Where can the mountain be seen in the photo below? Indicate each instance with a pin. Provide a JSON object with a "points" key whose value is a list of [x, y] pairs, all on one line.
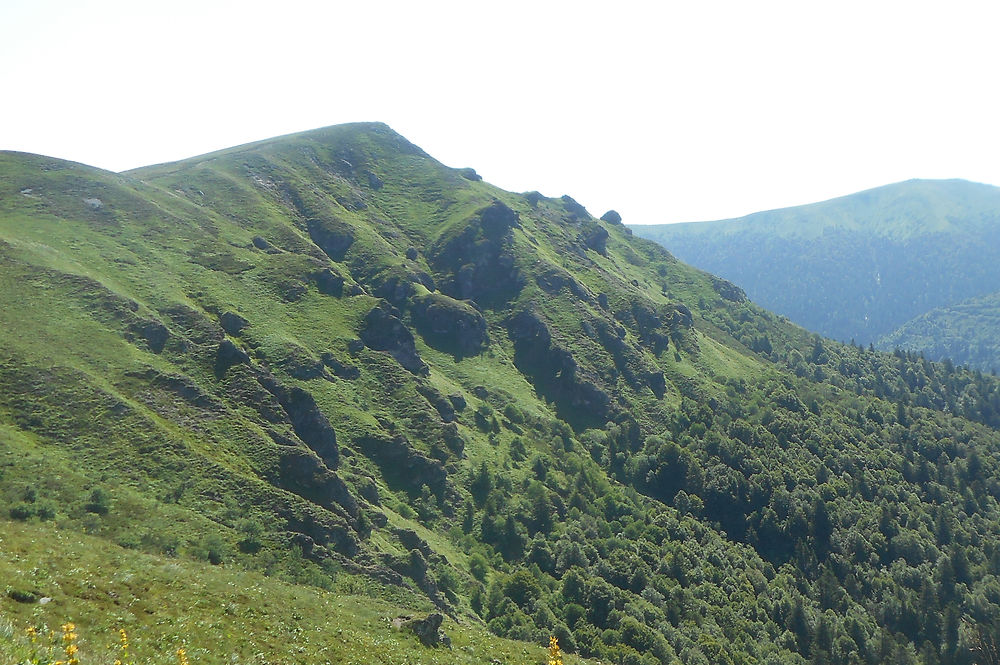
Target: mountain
{"points": [[965, 333], [859, 266], [259, 403]]}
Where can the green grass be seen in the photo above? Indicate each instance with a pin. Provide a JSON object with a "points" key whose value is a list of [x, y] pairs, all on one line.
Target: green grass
{"points": [[219, 615], [193, 463]]}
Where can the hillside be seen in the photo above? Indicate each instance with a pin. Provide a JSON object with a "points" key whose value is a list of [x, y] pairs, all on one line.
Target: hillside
{"points": [[859, 266], [965, 333], [330, 367]]}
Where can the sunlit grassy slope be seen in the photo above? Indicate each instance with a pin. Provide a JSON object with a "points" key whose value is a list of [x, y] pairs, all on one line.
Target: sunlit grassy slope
{"points": [[265, 399]]}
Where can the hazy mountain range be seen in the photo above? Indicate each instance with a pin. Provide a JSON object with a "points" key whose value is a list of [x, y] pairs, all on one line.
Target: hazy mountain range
{"points": [[894, 266]]}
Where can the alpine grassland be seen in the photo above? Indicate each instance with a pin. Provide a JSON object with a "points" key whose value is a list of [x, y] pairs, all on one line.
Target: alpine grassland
{"points": [[300, 401]]}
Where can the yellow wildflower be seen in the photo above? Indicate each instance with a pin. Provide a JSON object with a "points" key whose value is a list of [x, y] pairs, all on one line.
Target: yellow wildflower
{"points": [[555, 657], [182, 657]]}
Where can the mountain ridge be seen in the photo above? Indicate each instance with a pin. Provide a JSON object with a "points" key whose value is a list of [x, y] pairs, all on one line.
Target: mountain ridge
{"points": [[342, 364], [855, 267], [915, 195]]}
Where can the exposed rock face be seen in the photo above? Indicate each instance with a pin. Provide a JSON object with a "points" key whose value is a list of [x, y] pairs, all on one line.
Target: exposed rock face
{"points": [[442, 405], [305, 474], [469, 173], [329, 282], [193, 325], [233, 323], [383, 331], [611, 217], [728, 290], [595, 237], [398, 284], [227, 355], [402, 465], [344, 371], [685, 317], [575, 211], [428, 630], [458, 401], [412, 541], [414, 565], [450, 325], [554, 372], [332, 236], [478, 262], [553, 278], [154, 332], [307, 420], [629, 361]]}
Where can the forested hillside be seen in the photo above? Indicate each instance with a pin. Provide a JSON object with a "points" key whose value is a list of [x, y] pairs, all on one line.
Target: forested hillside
{"points": [[347, 374], [967, 333], [861, 266]]}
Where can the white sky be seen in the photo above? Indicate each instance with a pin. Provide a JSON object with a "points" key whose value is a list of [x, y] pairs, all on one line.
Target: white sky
{"points": [[665, 111]]}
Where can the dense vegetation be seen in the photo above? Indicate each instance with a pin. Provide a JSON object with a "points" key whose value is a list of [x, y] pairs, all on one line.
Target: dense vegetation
{"points": [[966, 333], [338, 369], [861, 266]]}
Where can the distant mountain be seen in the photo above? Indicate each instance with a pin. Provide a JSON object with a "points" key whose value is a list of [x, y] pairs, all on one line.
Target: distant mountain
{"points": [[967, 333], [263, 404], [859, 266]]}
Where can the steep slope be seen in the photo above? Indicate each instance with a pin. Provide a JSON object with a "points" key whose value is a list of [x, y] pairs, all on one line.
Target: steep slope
{"points": [[965, 333], [330, 359], [859, 266]]}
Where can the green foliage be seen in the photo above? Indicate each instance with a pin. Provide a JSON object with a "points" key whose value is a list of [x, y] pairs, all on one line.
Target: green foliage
{"points": [[630, 456], [893, 265]]}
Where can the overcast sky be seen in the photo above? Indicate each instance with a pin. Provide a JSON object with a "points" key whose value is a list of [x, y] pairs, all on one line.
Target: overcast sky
{"points": [[687, 111]]}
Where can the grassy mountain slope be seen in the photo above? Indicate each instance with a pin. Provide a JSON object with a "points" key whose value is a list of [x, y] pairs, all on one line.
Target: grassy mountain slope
{"points": [[859, 266], [965, 333], [332, 361]]}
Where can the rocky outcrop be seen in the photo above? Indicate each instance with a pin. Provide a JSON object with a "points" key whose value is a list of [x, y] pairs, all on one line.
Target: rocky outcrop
{"points": [[153, 332], [383, 331], [441, 404], [554, 372], [306, 419], [428, 630], [727, 290], [575, 212], [227, 355], [450, 325], [398, 283], [628, 360], [329, 282], [302, 472], [332, 236], [342, 370], [233, 323], [595, 237], [403, 466], [611, 217], [477, 261], [193, 325]]}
